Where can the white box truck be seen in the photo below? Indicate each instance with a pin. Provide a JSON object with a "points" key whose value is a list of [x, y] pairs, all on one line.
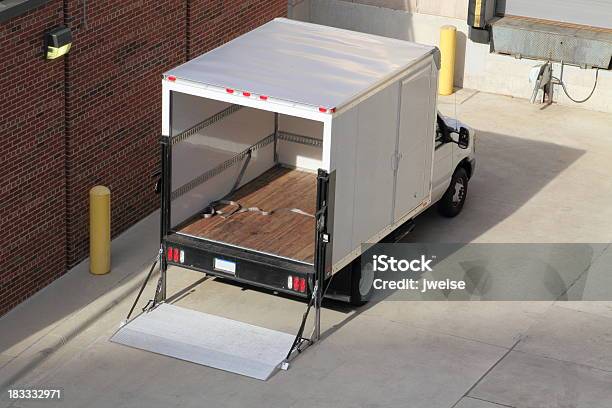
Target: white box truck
{"points": [[287, 148]]}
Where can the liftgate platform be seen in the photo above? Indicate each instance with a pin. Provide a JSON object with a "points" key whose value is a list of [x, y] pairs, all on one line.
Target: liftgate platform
{"points": [[207, 339]]}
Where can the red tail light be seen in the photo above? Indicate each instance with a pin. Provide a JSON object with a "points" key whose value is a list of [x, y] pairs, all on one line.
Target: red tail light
{"points": [[169, 256], [175, 255], [246, 94], [296, 283], [230, 91]]}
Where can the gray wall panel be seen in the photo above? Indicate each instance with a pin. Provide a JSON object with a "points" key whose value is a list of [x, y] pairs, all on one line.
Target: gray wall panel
{"points": [[596, 13], [212, 146]]}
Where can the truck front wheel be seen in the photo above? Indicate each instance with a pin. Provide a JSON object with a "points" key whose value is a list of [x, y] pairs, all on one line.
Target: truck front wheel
{"points": [[451, 203]]}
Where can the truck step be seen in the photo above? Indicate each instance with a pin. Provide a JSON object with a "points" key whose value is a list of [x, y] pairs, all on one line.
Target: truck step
{"points": [[207, 339]]}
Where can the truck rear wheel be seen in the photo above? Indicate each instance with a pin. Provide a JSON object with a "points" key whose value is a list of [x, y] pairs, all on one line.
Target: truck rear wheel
{"points": [[361, 283], [451, 203]]}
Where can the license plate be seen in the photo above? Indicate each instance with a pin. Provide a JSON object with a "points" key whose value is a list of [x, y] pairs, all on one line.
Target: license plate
{"points": [[225, 266]]}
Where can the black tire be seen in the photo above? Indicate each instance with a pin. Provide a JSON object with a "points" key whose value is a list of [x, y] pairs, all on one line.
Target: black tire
{"points": [[451, 203], [361, 283]]}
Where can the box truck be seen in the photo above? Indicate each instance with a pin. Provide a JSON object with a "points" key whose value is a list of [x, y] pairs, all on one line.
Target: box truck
{"points": [[282, 152]]}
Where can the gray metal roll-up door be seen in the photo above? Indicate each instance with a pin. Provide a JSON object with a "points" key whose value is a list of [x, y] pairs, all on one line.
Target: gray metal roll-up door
{"points": [[595, 13]]}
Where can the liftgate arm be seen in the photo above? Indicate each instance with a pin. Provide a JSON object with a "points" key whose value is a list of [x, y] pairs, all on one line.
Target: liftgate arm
{"points": [[144, 283], [321, 241], [164, 227], [163, 184]]}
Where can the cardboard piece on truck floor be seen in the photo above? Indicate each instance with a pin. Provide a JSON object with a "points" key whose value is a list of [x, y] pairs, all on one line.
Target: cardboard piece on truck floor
{"points": [[208, 340]]}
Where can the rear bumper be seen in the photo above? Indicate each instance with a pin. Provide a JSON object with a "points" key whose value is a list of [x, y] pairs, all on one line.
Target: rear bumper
{"points": [[250, 267]]}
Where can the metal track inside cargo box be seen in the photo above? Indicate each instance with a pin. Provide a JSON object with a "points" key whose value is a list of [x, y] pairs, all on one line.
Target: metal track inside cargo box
{"points": [[207, 175]]}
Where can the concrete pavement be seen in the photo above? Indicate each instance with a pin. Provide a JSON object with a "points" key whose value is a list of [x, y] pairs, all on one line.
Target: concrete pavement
{"points": [[542, 176]]}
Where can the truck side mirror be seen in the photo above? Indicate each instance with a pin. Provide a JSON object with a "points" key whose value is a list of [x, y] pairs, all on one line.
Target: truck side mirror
{"points": [[464, 138]]}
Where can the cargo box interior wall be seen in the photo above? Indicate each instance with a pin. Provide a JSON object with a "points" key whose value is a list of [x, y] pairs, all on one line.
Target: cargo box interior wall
{"points": [[224, 154]]}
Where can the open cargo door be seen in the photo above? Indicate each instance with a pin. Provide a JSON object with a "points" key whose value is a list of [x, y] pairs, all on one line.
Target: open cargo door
{"points": [[206, 339]]}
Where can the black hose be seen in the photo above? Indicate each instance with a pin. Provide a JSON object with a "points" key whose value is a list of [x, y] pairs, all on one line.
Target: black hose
{"points": [[585, 99], [300, 332]]}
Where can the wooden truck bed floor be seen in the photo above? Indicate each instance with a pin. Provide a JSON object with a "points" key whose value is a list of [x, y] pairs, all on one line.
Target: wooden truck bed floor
{"points": [[282, 233]]}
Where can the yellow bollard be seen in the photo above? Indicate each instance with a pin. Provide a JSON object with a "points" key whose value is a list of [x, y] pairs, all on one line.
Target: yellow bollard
{"points": [[448, 44], [99, 230]]}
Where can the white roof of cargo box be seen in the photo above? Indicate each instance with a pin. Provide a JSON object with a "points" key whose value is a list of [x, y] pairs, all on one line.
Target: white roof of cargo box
{"points": [[303, 63]]}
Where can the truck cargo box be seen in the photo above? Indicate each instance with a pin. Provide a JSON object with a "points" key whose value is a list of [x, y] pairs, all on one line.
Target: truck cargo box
{"points": [[255, 119]]}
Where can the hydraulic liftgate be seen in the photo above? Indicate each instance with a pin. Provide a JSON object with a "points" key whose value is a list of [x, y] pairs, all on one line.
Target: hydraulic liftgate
{"points": [[306, 71], [211, 340]]}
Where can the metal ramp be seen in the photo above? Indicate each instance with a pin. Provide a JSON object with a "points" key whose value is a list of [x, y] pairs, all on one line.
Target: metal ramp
{"points": [[206, 339]]}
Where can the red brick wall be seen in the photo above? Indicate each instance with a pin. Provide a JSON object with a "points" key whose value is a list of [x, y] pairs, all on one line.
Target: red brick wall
{"points": [[32, 158], [90, 118], [113, 107]]}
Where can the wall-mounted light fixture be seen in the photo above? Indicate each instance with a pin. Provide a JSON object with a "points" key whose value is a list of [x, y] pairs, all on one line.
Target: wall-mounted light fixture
{"points": [[57, 42]]}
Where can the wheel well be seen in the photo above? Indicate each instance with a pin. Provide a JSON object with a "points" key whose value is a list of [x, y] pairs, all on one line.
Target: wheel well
{"points": [[465, 164]]}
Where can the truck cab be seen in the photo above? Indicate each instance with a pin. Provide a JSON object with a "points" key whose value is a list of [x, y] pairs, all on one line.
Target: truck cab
{"points": [[454, 165]]}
